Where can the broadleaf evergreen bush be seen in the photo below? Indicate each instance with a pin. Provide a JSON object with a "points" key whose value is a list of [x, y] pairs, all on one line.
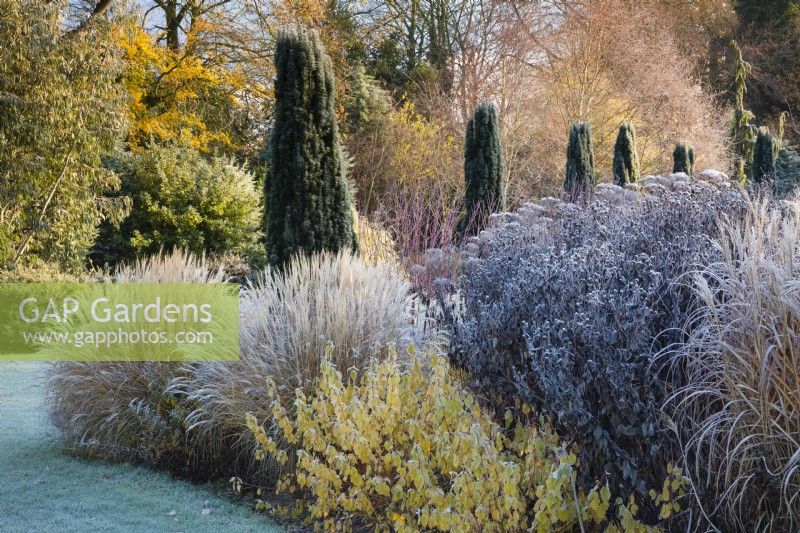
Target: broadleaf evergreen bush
{"points": [[179, 199]]}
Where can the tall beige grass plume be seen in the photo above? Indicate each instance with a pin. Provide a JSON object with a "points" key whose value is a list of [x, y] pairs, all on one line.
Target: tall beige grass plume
{"points": [[739, 405], [325, 305]]}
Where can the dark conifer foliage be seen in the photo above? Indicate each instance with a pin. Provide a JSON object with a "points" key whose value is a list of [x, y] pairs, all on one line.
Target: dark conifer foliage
{"points": [[580, 176], [743, 132], [626, 161], [765, 156], [683, 158], [308, 200], [483, 167]]}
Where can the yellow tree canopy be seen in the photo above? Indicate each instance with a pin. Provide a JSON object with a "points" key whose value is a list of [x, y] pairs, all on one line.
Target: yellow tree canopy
{"points": [[179, 95]]}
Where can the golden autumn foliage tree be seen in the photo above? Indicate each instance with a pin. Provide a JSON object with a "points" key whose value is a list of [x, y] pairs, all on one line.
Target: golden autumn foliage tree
{"points": [[334, 23], [186, 95], [250, 37]]}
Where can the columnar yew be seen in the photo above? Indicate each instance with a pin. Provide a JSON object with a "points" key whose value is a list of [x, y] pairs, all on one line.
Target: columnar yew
{"points": [[626, 161], [483, 167], [683, 158], [307, 196], [580, 176]]}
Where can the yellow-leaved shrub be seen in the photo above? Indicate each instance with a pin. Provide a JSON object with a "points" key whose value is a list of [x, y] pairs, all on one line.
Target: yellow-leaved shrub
{"points": [[408, 448]]}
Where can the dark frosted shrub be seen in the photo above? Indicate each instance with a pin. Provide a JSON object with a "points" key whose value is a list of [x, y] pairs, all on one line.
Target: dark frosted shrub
{"points": [[626, 160], [683, 158], [580, 177], [765, 156], [787, 171], [568, 314]]}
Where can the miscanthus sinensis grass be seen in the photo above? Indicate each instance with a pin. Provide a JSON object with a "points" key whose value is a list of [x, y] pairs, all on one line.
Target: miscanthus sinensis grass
{"points": [[739, 407]]}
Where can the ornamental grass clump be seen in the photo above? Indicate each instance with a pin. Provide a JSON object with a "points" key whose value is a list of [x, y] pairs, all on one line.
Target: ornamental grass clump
{"points": [[288, 319], [405, 447], [189, 418], [568, 314], [123, 410], [375, 244], [739, 406]]}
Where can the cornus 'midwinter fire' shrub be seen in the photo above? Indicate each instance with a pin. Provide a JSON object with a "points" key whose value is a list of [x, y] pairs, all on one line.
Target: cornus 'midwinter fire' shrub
{"points": [[408, 448]]}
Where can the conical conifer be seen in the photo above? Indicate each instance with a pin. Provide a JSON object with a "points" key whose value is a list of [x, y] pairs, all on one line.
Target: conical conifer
{"points": [[743, 132], [483, 167], [307, 197], [580, 176], [626, 161], [683, 158]]}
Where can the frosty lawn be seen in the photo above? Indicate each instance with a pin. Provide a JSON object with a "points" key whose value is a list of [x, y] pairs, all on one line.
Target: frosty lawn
{"points": [[46, 489]]}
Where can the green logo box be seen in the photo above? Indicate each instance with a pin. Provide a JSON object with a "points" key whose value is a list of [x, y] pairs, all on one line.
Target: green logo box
{"points": [[185, 322]]}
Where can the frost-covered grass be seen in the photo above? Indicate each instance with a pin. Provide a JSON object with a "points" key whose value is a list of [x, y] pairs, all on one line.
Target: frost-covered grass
{"points": [[44, 488], [190, 419]]}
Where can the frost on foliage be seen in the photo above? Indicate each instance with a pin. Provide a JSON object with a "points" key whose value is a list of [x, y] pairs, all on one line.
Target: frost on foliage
{"points": [[567, 315], [548, 209]]}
